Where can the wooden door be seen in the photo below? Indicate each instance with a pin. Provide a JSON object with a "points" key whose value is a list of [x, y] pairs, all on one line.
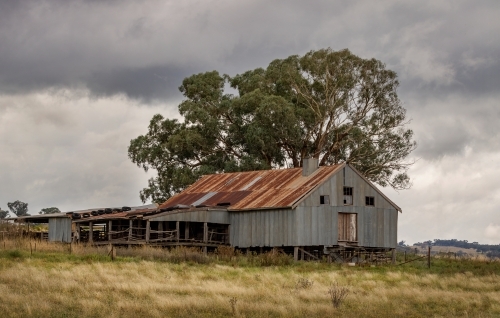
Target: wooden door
{"points": [[348, 227]]}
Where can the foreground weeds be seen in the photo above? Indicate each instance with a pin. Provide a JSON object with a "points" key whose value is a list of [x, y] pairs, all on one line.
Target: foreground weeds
{"points": [[148, 282]]}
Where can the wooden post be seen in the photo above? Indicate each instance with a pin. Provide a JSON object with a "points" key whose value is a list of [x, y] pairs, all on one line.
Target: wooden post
{"points": [[186, 231], [429, 257], [112, 251], [405, 256], [78, 232], [394, 256], [148, 230], [228, 238], [177, 231], [301, 254], [91, 232], [205, 237], [160, 229], [110, 226], [295, 253], [130, 223]]}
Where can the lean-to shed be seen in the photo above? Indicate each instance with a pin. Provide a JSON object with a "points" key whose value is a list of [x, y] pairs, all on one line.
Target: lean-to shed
{"points": [[59, 225]]}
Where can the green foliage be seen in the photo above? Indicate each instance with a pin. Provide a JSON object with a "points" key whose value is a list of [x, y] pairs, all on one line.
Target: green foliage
{"points": [[3, 214], [330, 105], [18, 208], [49, 210]]}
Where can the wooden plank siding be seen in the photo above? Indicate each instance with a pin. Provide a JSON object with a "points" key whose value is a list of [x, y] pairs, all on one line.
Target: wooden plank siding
{"points": [[347, 227]]}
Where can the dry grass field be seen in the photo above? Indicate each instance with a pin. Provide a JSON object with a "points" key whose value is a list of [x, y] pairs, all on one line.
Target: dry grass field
{"points": [[146, 282]]}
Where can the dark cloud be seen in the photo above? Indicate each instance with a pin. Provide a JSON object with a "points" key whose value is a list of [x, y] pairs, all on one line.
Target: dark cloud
{"points": [[155, 82], [145, 49]]}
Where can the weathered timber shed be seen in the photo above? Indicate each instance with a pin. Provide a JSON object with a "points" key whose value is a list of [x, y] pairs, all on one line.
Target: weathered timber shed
{"points": [[64, 227], [329, 208], [59, 225]]}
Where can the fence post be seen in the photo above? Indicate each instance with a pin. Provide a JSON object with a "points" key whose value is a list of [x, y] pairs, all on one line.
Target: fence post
{"points": [[112, 251], [429, 256]]}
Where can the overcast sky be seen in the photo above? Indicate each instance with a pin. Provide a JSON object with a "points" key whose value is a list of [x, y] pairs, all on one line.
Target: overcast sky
{"points": [[80, 79]]}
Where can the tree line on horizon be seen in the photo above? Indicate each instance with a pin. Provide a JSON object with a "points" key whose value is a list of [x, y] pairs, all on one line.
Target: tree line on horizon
{"points": [[490, 250], [19, 208]]}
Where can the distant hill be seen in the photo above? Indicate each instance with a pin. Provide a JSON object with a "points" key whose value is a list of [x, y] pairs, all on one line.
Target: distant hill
{"points": [[492, 251]]}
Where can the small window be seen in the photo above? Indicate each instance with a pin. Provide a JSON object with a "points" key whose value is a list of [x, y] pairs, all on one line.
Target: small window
{"points": [[347, 195], [324, 199], [370, 201]]}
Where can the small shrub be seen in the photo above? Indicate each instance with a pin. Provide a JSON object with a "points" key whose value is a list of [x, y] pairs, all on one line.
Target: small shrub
{"points": [[337, 294], [274, 258], [15, 254], [303, 283], [225, 253], [232, 302]]}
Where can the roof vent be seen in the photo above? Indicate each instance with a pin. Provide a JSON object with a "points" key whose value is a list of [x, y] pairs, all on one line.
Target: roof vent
{"points": [[309, 165]]}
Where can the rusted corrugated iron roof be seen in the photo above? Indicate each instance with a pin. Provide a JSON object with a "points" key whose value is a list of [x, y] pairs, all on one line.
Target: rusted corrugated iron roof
{"points": [[118, 215], [252, 190]]}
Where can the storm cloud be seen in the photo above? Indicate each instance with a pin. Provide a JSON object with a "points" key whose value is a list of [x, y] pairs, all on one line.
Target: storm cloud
{"points": [[79, 79]]}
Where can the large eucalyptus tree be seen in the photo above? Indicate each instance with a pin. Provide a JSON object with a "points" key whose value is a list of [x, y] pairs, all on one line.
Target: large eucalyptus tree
{"points": [[331, 105]]}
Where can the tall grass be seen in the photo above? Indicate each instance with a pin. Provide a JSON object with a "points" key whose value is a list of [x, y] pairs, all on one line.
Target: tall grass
{"points": [[151, 282]]}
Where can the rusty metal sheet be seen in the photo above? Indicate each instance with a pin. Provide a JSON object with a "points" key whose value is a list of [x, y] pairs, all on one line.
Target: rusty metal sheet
{"points": [[183, 198], [227, 197], [118, 215], [254, 189]]}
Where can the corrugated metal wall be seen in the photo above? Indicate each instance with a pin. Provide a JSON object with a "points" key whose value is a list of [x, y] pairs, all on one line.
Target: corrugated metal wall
{"points": [[60, 230], [220, 217], [312, 224], [262, 228], [285, 227]]}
